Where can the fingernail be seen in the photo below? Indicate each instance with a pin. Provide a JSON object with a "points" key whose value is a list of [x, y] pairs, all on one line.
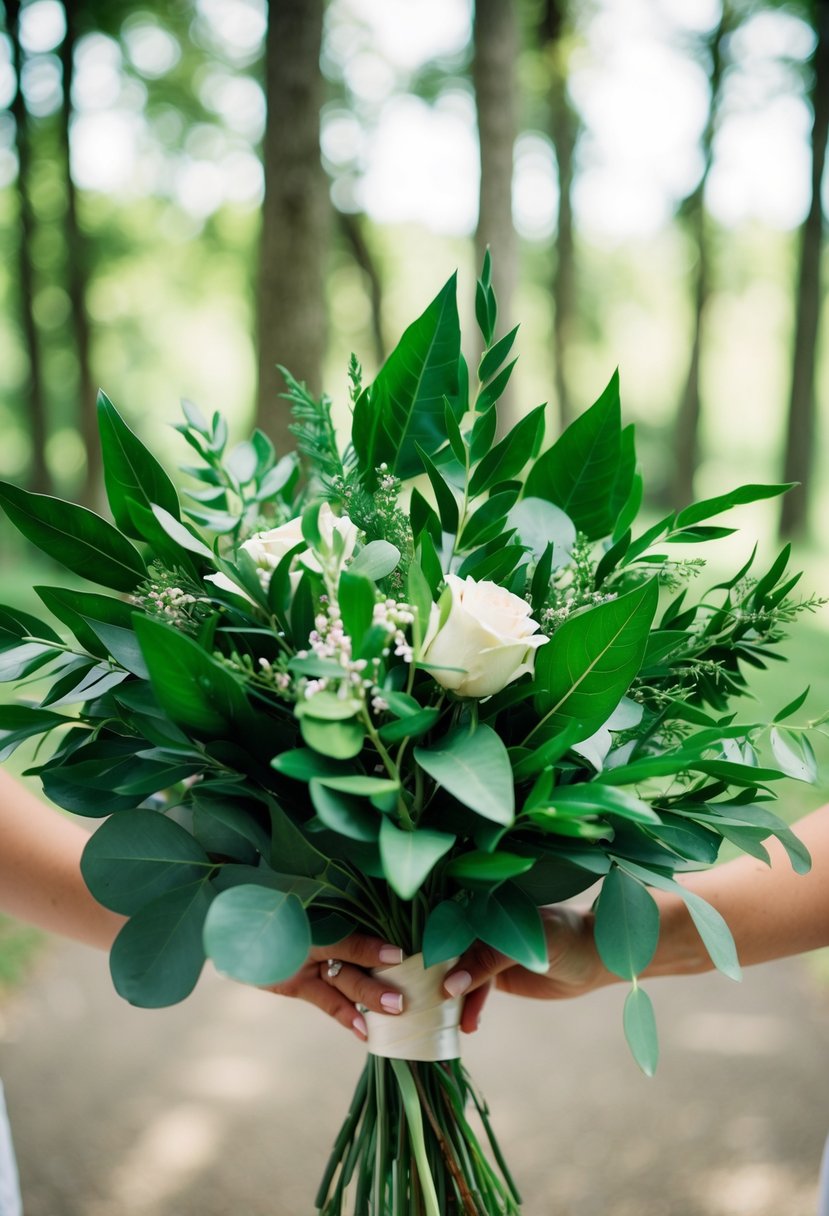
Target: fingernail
{"points": [[391, 954], [392, 1002], [359, 1025], [457, 983]]}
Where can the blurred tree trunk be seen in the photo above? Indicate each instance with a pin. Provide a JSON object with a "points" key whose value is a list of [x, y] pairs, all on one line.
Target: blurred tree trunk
{"points": [[801, 421], [77, 275], [493, 75], [686, 432], [295, 213], [36, 406], [563, 131], [352, 231]]}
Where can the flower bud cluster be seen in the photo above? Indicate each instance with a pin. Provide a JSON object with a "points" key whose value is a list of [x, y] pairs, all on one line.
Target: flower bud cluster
{"points": [[553, 617], [395, 618]]}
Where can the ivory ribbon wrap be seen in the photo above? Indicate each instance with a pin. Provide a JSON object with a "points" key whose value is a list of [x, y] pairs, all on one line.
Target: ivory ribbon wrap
{"points": [[427, 1029]]}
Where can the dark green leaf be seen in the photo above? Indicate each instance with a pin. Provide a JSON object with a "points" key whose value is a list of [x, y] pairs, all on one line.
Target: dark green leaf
{"points": [[158, 956], [444, 496], [487, 870], [197, 692], [447, 933], [586, 669], [579, 472], [509, 921], [507, 458], [77, 538], [492, 359], [405, 404], [130, 470], [132, 859], [344, 813], [723, 502]]}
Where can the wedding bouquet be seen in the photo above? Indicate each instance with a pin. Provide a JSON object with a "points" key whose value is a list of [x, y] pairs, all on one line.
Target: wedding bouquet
{"points": [[418, 685]]}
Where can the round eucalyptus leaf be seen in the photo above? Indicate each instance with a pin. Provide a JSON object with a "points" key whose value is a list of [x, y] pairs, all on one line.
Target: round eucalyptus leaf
{"points": [[257, 935], [157, 957]]}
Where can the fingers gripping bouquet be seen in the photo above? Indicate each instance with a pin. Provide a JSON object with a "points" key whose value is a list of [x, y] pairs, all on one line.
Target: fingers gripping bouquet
{"points": [[438, 682]]}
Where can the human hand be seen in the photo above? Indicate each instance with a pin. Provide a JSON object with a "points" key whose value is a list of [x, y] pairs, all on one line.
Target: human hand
{"points": [[575, 967], [340, 993]]}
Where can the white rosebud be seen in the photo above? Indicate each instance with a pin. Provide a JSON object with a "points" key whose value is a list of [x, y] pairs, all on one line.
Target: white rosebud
{"points": [[488, 635], [328, 524]]}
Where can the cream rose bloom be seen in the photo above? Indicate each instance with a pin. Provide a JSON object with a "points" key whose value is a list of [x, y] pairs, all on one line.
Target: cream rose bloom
{"points": [[267, 549], [489, 634]]}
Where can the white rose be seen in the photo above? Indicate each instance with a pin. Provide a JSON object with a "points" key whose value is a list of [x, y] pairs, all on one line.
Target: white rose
{"points": [[267, 549], [489, 634]]}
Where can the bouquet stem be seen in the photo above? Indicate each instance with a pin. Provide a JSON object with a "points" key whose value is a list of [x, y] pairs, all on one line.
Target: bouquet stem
{"points": [[406, 1147]]}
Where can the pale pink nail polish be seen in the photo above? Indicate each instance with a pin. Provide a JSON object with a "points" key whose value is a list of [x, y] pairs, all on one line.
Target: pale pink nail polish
{"points": [[457, 983], [359, 1025], [392, 1002], [391, 954]]}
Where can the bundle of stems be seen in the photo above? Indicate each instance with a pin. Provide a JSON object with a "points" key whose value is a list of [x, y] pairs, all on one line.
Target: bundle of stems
{"points": [[407, 1148]]}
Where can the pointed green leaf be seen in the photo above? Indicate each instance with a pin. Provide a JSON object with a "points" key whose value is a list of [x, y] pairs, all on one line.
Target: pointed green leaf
{"points": [[508, 920], [579, 472], [640, 1030], [405, 404], [627, 925], [77, 538], [409, 857], [475, 769], [130, 470], [447, 933], [589, 664]]}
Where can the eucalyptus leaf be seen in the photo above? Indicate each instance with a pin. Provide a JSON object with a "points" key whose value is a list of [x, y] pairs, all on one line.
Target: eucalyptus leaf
{"points": [[157, 958], [640, 1030], [132, 859], [257, 935]]}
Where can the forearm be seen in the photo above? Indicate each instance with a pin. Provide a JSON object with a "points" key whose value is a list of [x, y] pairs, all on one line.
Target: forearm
{"points": [[40, 878], [771, 912]]}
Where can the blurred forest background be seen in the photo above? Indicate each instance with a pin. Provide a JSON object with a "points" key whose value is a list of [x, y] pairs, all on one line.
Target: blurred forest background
{"points": [[192, 192]]}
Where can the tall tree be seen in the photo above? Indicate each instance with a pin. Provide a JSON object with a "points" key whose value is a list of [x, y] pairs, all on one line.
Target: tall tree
{"points": [[295, 213], [494, 76], [686, 432], [801, 420], [77, 270], [36, 404], [563, 128]]}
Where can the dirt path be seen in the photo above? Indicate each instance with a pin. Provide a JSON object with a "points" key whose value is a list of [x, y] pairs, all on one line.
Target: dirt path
{"points": [[225, 1106]]}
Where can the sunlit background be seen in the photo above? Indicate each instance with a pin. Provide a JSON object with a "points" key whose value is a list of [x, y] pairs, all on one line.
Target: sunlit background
{"points": [[166, 113]]}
